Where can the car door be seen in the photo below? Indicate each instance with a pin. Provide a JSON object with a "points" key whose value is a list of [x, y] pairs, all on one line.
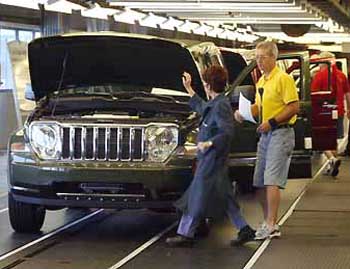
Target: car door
{"points": [[245, 135], [324, 107], [296, 65], [314, 125]]}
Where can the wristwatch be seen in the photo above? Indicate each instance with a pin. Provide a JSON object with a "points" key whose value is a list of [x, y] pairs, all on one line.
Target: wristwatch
{"points": [[273, 123]]}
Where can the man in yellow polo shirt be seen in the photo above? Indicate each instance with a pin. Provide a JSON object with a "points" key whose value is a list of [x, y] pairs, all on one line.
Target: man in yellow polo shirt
{"points": [[277, 104]]}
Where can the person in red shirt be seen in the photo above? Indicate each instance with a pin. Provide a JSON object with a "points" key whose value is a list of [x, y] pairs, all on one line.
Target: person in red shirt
{"points": [[346, 152], [340, 88]]}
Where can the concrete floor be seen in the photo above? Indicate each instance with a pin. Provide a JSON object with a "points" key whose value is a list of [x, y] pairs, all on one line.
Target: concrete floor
{"points": [[115, 234]]}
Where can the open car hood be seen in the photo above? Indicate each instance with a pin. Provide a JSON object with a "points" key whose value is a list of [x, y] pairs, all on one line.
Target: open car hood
{"points": [[62, 62]]}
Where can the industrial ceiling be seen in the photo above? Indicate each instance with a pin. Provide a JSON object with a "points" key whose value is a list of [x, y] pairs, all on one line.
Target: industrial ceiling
{"points": [[303, 21], [315, 16]]}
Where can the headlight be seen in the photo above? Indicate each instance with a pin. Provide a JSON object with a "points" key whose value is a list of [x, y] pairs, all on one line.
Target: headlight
{"points": [[160, 142], [45, 140]]}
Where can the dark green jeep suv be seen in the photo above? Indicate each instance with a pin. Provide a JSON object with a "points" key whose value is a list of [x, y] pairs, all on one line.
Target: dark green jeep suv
{"points": [[110, 127]]}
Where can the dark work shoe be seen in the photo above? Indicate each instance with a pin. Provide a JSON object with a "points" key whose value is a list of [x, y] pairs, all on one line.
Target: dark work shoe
{"points": [[335, 168], [245, 235], [202, 230], [179, 241], [345, 153]]}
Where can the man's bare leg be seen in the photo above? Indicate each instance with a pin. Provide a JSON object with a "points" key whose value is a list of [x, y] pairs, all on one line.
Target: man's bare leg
{"points": [[273, 198], [261, 195], [329, 154]]}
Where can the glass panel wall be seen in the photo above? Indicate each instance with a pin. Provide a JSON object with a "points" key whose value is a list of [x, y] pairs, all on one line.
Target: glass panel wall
{"points": [[14, 69], [8, 34], [25, 36]]}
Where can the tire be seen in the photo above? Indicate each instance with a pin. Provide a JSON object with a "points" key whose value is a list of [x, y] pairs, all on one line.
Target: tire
{"points": [[24, 217]]}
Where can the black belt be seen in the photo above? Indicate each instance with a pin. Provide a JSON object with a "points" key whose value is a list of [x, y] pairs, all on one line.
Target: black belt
{"points": [[282, 126]]}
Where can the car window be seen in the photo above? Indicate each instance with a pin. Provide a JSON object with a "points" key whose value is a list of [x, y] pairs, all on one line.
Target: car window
{"points": [[234, 64], [292, 66], [320, 76], [247, 86]]}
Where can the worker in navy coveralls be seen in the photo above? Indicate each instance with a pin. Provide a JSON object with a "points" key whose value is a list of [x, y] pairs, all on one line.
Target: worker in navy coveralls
{"points": [[210, 192]]}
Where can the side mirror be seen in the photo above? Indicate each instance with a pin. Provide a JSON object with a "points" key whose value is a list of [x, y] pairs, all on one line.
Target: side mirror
{"points": [[28, 93]]}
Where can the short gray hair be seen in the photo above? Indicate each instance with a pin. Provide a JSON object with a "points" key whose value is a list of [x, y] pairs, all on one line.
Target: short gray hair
{"points": [[270, 46], [326, 54]]}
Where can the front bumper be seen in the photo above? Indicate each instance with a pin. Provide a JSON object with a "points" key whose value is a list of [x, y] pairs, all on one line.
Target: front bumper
{"points": [[134, 185], [96, 202]]}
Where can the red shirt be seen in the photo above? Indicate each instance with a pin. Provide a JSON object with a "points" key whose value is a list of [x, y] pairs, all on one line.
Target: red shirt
{"points": [[339, 85]]}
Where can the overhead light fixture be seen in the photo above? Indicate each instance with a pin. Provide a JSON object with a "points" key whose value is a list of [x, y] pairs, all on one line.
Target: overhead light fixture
{"points": [[235, 35], [152, 20], [215, 32], [232, 35], [62, 6], [170, 24], [221, 8], [197, 4], [254, 18], [202, 29], [309, 38], [187, 26], [98, 12], [34, 4], [218, 8], [128, 16], [255, 21], [224, 34], [241, 36], [330, 26]]}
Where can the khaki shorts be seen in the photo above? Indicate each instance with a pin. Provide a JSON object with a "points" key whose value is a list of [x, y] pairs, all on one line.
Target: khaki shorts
{"points": [[273, 158]]}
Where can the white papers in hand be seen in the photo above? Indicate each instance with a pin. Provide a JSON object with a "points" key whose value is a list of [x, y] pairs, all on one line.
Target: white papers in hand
{"points": [[244, 108]]}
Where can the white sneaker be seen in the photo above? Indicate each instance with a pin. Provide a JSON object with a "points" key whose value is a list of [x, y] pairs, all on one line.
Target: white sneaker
{"points": [[328, 169], [261, 227], [266, 231]]}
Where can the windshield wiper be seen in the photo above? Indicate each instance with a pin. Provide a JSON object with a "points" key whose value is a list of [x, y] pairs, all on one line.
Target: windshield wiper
{"points": [[98, 90], [142, 94]]}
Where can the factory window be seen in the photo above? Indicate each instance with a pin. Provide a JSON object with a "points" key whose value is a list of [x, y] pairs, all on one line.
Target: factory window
{"points": [[8, 35]]}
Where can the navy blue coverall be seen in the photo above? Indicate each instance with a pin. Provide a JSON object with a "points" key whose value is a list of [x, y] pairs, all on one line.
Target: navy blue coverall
{"points": [[210, 193]]}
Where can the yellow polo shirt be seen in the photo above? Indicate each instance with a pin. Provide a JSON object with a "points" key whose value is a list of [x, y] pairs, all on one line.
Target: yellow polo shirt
{"points": [[279, 90]]}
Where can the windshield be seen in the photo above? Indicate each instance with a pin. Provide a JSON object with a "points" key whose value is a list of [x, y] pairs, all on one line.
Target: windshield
{"points": [[118, 99], [125, 91]]}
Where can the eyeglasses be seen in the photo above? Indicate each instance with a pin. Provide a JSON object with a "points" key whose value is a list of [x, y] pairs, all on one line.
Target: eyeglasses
{"points": [[262, 57]]}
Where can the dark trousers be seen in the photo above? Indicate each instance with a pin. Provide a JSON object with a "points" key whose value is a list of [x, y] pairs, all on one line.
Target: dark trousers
{"points": [[188, 224], [347, 147]]}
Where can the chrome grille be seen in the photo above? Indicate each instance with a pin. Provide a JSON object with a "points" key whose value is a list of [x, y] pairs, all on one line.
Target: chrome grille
{"points": [[107, 143]]}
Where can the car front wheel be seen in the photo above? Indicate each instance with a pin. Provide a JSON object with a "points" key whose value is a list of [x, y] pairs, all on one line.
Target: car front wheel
{"points": [[24, 217]]}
